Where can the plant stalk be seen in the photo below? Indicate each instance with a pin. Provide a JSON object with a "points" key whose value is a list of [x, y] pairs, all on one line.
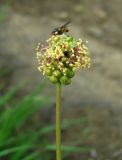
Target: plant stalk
{"points": [[58, 122]]}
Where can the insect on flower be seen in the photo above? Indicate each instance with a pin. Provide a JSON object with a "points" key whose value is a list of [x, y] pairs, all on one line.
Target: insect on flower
{"points": [[61, 30], [62, 55]]}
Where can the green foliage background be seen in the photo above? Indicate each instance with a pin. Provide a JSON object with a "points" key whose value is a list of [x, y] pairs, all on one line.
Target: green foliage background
{"points": [[20, 141]]}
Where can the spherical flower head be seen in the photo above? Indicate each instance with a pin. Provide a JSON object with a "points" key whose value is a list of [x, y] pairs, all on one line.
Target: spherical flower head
{"points": [[62, 55]]}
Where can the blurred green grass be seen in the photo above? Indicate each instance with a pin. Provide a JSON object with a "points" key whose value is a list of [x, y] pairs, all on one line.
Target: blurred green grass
{"points": [[19, 138], [4, 10]]}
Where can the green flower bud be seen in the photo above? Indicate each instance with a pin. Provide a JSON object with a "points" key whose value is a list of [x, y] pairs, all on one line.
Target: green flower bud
{"points": [[57, 73], [70, 39], [70, 73], [65, 80], [63, 59], [48, 72], [68, 81], [53, 79], [54, 64]]}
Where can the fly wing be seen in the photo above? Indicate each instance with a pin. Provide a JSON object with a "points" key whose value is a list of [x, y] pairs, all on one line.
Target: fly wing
{"points": [[64, 25]]}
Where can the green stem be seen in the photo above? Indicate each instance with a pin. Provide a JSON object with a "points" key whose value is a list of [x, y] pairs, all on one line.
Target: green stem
{"points": [[58, 122]]}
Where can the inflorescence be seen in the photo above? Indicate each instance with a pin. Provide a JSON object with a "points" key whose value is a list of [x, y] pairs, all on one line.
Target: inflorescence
{"points": [[62, 55]]}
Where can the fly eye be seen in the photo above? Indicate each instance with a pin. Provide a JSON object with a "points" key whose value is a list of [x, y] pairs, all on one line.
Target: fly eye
{"points": [[56, 32]]}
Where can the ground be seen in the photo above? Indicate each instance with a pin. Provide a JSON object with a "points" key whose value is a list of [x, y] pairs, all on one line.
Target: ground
{"points": [[96, 93]]}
